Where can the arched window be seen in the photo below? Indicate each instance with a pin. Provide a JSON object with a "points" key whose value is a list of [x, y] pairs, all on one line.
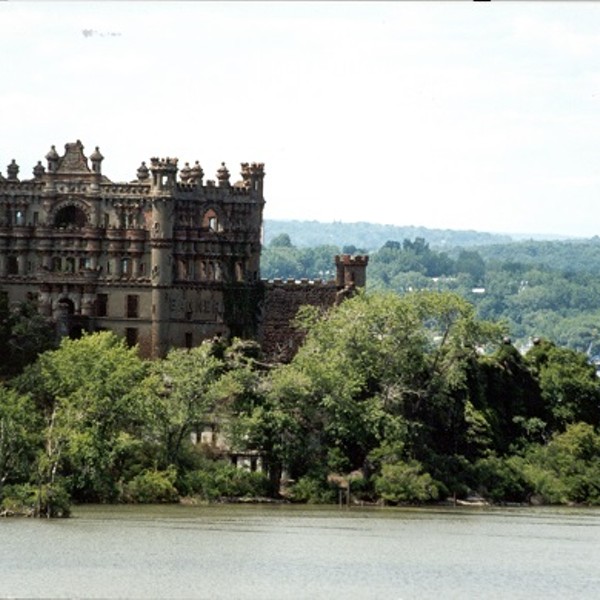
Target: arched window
{"points": [[70, 216], [210, 220]]}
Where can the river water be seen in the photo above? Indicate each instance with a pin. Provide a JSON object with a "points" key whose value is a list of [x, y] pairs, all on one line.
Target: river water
{"points": [[279, 552]]}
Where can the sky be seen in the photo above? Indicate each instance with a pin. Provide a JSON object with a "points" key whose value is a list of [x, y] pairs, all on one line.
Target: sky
{"points": [[452, 115]]}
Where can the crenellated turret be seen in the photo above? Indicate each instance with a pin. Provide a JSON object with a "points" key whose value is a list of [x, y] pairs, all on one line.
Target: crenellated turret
{"points": [[164, 174], [351, 271], [257, 175]]}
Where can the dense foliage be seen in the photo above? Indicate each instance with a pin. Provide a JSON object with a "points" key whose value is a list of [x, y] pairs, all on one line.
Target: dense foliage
{"points": [[402, 398]]}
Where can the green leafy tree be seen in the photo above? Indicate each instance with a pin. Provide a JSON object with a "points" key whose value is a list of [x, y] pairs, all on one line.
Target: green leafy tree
{"points": [[382, 369], [24, 334], [569, 385], [19, 437], [84, 390], [567, 469], [281, 241], [181, 394]]}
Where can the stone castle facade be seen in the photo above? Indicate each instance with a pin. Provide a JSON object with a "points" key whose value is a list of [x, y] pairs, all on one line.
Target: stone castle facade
{"points": [[166, 260]]}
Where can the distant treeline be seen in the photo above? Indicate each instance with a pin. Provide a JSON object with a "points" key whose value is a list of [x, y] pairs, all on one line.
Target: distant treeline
{"points": [[371, 236], [545, 289]]}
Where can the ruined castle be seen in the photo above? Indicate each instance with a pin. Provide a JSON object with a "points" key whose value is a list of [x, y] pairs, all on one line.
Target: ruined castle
{"points": [[166, 260]]}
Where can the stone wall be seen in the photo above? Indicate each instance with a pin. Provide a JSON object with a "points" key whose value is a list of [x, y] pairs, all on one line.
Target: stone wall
{"points": [[282, 299]]}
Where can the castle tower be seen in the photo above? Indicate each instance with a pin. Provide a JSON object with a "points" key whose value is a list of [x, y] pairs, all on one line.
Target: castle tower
{"points": [[351, 271], [163, 183]]}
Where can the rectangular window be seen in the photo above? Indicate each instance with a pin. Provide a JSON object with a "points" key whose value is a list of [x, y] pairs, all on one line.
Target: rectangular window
{"points": [[56, 263], [102, 305], [12, 265], [36, 217], [125, 266], [131, 336], [188, 339], [132, 309]]}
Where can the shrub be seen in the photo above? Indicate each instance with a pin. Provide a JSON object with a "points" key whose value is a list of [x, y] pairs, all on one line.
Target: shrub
{"points": [[50, 500], [152, 486], [405, 482], [218, 479], [567, 469], [313, 490], [502, 479]]}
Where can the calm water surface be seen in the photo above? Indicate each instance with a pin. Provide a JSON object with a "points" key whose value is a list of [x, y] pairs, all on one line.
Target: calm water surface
{"points": [[263, 552]]}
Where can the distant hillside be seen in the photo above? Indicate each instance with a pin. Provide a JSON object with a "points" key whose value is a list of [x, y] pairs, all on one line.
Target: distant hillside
{"points": [[371, 236], [575, 256]]}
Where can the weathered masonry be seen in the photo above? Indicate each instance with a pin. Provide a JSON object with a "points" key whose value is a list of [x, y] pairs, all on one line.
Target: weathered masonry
{"points": [[166, 260]]}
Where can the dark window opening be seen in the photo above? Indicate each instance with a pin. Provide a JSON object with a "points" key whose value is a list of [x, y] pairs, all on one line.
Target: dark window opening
{"points": [[132, 306], [131, 336], [70, 216], [12, 265], [66, 305], [188, 339], [85, 263], [102, 305]]}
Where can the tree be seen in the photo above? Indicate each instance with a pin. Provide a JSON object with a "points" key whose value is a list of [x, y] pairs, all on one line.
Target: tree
{"points": [[84, 390], [470, 262], [19, 436], [567, 469], [24, 334], [569, 385], [181, 393], [384, 369], [281, 241]]}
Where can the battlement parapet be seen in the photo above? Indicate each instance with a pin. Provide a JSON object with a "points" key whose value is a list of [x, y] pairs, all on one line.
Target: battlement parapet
{"points": [[352, 260], [298, 284], [124, 189]]}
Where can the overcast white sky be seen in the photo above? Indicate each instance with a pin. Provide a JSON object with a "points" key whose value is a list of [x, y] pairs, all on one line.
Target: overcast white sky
{"points": [[453, 115]]}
